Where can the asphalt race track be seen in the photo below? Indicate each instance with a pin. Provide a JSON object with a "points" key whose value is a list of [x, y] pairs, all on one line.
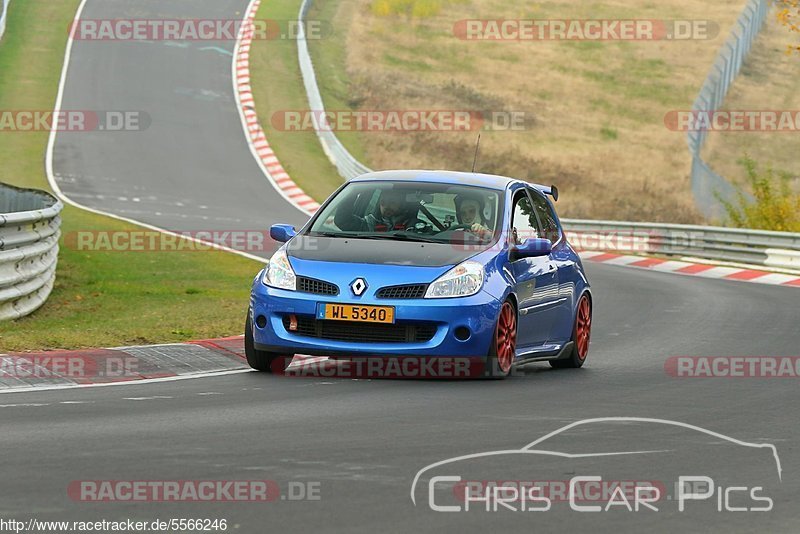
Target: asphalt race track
{"points": [[362, 442], [365, 440], [190, 169]]}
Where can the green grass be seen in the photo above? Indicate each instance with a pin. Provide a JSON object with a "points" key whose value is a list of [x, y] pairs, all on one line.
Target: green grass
{"points": [[278, 86], [414, 65], [641, 80], [337, 89], [102, 298], [413, 8], [609, 133], [382, 56]]}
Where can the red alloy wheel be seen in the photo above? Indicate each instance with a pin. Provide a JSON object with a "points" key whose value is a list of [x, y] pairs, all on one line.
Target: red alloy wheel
{"points": [[506, 337], [583, 327]]}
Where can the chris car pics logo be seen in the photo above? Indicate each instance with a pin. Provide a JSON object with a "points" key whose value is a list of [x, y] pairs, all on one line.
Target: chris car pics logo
{"points": [[443, 486]]}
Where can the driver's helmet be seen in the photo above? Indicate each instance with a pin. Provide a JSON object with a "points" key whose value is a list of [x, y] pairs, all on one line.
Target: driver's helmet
{"points": [[466, 201]]}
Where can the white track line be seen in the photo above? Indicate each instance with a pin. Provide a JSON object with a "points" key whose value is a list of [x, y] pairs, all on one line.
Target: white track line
{"points": [[36, 389], [57, 190]]}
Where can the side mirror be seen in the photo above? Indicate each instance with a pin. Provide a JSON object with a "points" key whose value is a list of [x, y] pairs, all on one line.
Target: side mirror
{"points": [[282, 232], [532, 248]]}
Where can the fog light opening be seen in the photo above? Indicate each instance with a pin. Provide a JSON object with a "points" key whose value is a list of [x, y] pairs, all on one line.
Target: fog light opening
{"points": [[261, 321], [462, 333]]}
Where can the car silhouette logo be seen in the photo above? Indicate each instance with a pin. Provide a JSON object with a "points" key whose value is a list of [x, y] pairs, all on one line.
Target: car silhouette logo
{"points": [[534, 448], [358, 286]]}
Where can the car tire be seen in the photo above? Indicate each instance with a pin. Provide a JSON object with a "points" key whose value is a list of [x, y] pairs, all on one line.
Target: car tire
{"points": [[581, 334], [500, 359], [267, 362]]}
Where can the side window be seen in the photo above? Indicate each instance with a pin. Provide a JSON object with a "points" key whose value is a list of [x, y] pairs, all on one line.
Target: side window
{"points": [[523, 221], [546, 216]]}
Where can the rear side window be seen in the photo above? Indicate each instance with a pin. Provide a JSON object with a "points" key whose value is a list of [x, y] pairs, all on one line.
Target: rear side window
{"points": [[547, 218], [523, 224]]}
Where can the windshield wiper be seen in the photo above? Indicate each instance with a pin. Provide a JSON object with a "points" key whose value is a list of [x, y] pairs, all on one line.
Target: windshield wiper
{"points": [[338, 234], [413, 237]]}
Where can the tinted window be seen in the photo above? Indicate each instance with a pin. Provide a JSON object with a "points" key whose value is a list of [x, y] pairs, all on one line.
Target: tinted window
{"points": [[523, 224], [546, 217]]}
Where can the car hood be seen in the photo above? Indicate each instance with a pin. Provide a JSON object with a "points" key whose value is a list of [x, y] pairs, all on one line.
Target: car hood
{"points": [[378, 252], [375, 276]]}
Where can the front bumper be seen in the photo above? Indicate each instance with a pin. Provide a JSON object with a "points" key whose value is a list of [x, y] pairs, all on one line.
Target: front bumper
{"points": [[477, 313]]}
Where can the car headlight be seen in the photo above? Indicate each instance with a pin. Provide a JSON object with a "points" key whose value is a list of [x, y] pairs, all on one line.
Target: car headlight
{"points": [[279, 272], [463, 280]]}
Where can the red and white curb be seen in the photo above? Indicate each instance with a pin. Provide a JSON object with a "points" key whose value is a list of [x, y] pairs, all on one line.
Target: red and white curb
{"points": [[69, 369], [255, 134], [694, 269]]}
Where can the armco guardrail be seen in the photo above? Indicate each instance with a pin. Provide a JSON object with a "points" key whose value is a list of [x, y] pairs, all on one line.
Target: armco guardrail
{"points": [[3, 14], [348, 166], [755, 247], [706, 184], [29, 233]]}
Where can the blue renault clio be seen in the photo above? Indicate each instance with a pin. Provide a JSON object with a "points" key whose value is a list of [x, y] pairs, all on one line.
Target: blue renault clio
{"points": [[425, 264]]}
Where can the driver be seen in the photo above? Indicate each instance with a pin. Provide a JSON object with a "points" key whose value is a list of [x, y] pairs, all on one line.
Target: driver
{"points": [[469, 211], [394, 214]]}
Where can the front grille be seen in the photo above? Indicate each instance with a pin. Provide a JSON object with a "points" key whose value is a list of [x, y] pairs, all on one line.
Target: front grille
{"points": [[318, 287], [409, 291], [362, 332]]}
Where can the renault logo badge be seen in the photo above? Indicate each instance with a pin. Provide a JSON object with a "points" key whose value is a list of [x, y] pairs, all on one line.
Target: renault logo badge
{"points": [[358, 286]]}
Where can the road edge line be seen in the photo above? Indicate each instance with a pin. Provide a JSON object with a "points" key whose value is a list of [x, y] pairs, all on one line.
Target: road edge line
{"points": [[60, 194], [256, 138]]}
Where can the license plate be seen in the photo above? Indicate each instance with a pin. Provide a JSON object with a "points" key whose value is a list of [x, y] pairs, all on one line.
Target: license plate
{"points": [[349, 312]]}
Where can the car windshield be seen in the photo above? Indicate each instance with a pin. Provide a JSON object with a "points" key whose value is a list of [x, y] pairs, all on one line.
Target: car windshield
{"points": [[415, 211]]}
